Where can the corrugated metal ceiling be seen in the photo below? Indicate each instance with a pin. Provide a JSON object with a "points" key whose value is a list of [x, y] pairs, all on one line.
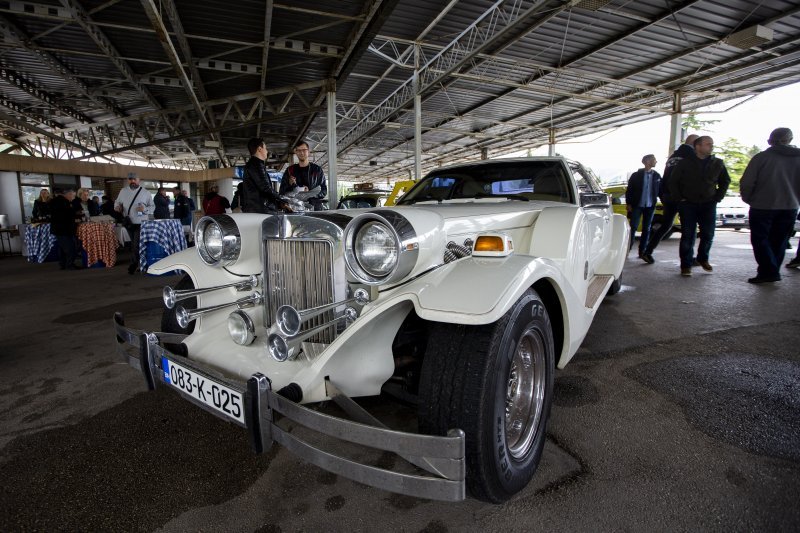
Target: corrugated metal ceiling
{"points": [[91, 79]]}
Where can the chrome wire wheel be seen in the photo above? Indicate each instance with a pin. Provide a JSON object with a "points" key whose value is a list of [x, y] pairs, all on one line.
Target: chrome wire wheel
{"points": [[525, 391]]}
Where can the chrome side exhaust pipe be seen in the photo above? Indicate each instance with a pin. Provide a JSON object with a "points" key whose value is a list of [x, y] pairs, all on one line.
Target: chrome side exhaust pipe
{"points": [[289, 320], [186, 316], [171, 296], [285, 347]]}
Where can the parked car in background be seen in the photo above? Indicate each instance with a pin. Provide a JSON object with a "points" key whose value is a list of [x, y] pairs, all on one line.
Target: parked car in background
{"points": [[617, 192], [463, 299], [364, 196], [732, 212]]}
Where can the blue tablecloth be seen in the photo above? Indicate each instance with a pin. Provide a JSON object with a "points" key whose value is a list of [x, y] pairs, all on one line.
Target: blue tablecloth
{"points": [[167, 233], [39, 242]]}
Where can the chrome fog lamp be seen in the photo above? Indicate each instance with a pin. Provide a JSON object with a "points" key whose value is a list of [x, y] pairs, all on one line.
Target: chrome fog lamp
{"points": [[218, 240], [241, 328], [380, 247]]}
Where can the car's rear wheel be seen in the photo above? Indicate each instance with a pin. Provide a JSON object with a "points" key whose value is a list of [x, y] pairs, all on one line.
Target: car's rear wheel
{"points": [[495, 382]]}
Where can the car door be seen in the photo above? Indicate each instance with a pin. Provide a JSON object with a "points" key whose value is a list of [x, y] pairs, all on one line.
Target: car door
{"points": [[598, 218]]}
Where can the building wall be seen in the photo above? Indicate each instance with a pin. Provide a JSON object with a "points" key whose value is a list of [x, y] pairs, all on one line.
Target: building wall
{"points": [[10, 204]]}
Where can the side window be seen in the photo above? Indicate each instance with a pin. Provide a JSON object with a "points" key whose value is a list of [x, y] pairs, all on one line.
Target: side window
{"points": [[585, 180]]}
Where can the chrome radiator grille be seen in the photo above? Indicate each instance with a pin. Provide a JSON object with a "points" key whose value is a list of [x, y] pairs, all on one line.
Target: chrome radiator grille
{"points": [[300, 273]]}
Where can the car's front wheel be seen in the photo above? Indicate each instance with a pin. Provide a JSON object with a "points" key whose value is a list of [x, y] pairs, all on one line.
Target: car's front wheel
{"points": [[495, 382], [169, 318]]}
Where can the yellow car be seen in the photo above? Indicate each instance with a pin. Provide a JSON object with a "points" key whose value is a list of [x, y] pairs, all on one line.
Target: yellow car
{"points": [[617, 193]]}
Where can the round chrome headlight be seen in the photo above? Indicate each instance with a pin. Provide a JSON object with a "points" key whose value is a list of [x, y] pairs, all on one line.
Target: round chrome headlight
{"points": [[375, 248], [217, 239], [380, 247], [241, 328]]}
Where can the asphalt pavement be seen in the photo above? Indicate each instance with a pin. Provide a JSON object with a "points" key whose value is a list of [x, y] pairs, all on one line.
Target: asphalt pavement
{"points": [[680, 412]]}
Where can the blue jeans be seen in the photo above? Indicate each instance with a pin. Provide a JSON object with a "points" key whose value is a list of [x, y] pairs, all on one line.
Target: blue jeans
{"points": [[769, 232], [693, 215], [646, 216]]}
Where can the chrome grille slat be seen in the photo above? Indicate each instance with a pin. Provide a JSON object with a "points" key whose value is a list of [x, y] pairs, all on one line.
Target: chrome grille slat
{"points": [[300, 273]]}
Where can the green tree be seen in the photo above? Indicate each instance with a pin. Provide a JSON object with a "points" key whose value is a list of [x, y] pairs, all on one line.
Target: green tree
{"points": [[692, 124], [736, 156]]}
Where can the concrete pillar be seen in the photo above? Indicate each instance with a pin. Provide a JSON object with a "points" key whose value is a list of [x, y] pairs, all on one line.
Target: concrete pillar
{"points": [[333, 195], [417, 118], [675, 130], [10, 204]]}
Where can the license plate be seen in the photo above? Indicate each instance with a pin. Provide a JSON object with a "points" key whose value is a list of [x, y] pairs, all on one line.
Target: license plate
{"points": [[223, 399]]}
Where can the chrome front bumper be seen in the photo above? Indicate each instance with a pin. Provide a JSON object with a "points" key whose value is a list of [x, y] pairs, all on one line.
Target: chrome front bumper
{"points": [[440, 460]]}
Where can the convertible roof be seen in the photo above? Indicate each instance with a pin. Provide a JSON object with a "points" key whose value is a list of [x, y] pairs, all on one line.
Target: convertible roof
{"points": [[184, 84]]}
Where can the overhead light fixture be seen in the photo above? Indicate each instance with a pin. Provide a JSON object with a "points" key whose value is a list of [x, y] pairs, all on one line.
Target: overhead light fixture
{"points": [[591, 5], [211, 144], [750, 37]]}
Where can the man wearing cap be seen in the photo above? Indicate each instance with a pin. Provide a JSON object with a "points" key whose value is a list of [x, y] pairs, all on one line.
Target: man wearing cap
{"points": [[771, 185], [134, 203]]}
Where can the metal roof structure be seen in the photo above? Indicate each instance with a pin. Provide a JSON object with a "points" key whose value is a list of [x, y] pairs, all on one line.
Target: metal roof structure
{"points": [[184, 84]]}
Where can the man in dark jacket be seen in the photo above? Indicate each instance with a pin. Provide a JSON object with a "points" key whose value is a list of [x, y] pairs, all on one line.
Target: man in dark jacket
{"points": [[771, 185], [257, 195], [640, 199], [698, 183], [669, 208], [64, 227], [306, 175]]}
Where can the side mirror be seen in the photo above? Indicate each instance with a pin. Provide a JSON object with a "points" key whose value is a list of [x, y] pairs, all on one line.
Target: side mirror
{"points": [[590, 200]]}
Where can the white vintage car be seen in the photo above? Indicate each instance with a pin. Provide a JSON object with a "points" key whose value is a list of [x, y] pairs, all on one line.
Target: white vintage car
{"points": [[464, 298]]}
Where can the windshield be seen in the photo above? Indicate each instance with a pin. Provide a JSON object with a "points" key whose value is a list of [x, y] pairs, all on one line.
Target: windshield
{"points": [[515, 180], [359, 202]]}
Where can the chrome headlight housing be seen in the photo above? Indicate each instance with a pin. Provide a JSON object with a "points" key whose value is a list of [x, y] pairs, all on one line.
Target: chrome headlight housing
{"points": [[217, 240], [380, 247]]}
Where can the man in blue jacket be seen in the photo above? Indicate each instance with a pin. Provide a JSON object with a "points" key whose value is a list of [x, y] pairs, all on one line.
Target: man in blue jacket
{"points": [[641, 197], [771, 185]]}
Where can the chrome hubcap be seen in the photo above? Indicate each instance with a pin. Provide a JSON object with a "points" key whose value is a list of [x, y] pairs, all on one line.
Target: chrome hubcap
{"points": [[524, 394]]}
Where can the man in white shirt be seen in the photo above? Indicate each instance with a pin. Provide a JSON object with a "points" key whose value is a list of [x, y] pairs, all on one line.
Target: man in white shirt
{"points": [[136, 203]]}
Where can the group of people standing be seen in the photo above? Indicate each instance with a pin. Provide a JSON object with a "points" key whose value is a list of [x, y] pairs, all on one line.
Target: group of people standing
{"points": [[256, 195], [695, 181], [135, 204]]}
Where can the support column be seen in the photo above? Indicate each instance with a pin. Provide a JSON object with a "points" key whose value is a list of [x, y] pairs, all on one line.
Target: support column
{"points": [[417, 118], [333, 193], [484, 154], [551, 142], [675, 130]]}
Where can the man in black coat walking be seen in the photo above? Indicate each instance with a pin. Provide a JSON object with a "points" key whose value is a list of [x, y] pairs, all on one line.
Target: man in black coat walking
{"points": [[669, 207], [64, 227]]}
